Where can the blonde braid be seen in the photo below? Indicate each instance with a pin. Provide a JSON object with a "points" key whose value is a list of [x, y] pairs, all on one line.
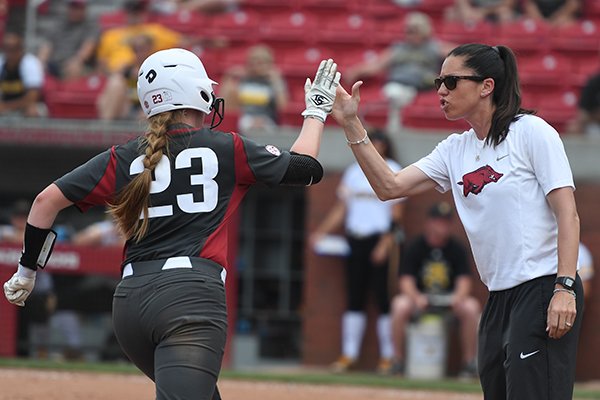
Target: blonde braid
{"points": [[133, 200]]}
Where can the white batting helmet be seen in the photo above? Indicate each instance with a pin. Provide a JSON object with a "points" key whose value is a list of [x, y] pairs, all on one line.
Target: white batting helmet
{"points": [[174, 79]]}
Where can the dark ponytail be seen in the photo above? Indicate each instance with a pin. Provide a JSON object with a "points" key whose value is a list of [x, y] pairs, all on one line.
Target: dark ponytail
{"points": [[500, 64]]}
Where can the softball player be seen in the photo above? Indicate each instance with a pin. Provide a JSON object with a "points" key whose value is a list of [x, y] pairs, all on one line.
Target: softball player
{"points": [[513, 189], [172, 192]]}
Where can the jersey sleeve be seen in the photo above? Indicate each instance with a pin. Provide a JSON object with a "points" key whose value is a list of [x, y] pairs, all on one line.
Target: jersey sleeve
{"points": [[92, 183], [32, 72], [547, 156], [259, 163], [435, 165]]}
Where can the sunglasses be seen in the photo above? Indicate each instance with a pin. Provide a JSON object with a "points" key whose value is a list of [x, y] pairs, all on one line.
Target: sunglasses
{"points": [[450, 81]]}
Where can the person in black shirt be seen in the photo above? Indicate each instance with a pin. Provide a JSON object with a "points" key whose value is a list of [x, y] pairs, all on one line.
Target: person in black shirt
{"points": [[172, 192], [435, 272]]}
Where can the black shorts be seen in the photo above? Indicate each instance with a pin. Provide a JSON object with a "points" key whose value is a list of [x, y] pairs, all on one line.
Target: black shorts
{"points": [[172, 324], [517, 360]]}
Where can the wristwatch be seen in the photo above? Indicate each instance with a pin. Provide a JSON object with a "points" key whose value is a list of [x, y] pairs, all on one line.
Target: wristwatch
{"points": [[565, 281]]}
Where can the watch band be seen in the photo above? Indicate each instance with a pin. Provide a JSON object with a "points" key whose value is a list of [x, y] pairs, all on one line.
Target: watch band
{"points": [[565, 281]]}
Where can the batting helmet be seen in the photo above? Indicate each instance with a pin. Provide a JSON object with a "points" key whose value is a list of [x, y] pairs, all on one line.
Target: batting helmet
{"points": [[174, 79]]}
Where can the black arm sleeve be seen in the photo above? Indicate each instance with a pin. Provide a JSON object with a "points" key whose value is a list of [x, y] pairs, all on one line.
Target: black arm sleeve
{"points": [[302, 170]]}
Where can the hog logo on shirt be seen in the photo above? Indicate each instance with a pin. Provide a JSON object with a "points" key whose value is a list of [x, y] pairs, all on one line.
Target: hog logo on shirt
{"points": [[473, 182]]}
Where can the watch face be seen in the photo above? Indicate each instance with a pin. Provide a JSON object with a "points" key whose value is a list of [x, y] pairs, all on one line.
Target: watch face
{"points": [[569, 282], [566, 281]]}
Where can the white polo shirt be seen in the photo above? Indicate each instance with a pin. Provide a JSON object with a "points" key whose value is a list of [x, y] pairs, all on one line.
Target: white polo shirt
{"points": [[500, 196]]}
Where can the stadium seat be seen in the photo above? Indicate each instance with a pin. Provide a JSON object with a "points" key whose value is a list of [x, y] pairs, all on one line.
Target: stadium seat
{"points": [[112, 19], [239, 26], [295, 27], [74, 98], [188, 23], [457, 32], [424, 113], [524, 36], [579, 41], [558, 110], [545, 73], [301, 62], [346, 30]]}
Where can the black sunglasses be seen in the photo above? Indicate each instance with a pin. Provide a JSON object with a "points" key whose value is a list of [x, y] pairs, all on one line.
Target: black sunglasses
{"points": [[450, 81]]}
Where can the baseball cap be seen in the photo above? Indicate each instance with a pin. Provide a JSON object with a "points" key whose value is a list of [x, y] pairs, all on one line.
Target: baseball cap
{"points": [[441, 210]]}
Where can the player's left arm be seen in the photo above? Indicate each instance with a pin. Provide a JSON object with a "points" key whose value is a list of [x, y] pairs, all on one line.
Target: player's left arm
{"points": [[37, 245], [562, 309]]}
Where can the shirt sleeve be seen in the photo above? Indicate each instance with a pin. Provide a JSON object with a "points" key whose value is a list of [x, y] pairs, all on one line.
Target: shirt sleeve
{"points": [[92, 183], [32, 72], [547, 156], [267, 163], [435, 165]]}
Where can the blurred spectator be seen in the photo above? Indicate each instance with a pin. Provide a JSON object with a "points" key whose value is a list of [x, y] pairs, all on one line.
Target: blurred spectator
{"points": [[586, 270], [101, 233], [119, 99], [555, 12], [115, 53], [34, 328], [21, 79], [203, 6], [68, 48], [587, 120], [411, 64], [370, 226], [435, 274], [474, 11], [257, 90]]}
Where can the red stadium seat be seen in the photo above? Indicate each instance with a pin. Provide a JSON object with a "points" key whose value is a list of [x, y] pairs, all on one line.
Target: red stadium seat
{"points": [[558, 110], [424, 113], [544, 73], [236, 26], [188, 23], [459, 33], [527, 36], [112, 19], [74, 98], [579, 41], [289, 26], [301, 62], [346, 29]]}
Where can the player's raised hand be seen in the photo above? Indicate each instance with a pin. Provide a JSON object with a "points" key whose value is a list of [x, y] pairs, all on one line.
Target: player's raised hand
{"points": [[320, 94], [346, 105], [19, 286]]}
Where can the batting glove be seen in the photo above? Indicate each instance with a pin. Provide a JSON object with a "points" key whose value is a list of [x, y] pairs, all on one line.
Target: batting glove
{"points": [[19, 287], [320, 94]]}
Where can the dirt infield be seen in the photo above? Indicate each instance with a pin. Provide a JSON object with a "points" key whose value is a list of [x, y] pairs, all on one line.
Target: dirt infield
{"points": [[21, 384]]}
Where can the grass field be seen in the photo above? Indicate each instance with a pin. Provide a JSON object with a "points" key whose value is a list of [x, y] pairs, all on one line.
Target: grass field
{"points": [[297, 376]]}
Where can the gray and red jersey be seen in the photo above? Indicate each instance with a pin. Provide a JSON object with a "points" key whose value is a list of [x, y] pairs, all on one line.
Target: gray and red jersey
{"points": [[196, 188]]}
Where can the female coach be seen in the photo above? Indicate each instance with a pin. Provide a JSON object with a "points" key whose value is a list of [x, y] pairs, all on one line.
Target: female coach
{"points": [[172, 192], [513, 189]]}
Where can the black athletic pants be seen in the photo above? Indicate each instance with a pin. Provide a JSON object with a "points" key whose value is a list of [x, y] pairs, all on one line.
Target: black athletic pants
{"points": [[362, 275], [517, 359], [172, 324]]}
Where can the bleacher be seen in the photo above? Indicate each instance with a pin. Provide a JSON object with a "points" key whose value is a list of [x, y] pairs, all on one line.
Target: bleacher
{"points": [[554, 63]]}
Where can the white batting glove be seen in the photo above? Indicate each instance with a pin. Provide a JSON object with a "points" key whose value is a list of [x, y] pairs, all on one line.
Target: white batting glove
{"points": [[19, 287], [320, 94]]}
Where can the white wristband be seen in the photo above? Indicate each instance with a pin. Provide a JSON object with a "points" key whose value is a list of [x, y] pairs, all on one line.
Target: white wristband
{"points": [[364, 140], [25, 272]]}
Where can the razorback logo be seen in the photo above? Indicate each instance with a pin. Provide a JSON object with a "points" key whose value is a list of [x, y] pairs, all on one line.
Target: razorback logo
{"points": [[473, 182]]}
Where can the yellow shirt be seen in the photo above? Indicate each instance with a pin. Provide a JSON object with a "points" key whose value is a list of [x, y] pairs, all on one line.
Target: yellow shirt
{"points": [[114, 51]]}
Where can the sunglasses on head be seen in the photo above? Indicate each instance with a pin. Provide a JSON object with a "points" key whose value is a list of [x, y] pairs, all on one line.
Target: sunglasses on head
{"points": [[450, 81]]}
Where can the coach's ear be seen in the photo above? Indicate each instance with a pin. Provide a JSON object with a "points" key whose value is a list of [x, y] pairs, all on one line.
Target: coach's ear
{"points": [[488, 87]]}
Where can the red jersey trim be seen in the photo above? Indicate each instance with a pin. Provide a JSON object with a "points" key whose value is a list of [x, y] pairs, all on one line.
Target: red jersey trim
{"points": [[105, 188]]}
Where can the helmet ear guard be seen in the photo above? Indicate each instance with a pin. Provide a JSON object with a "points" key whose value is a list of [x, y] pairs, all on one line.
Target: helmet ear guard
{"points": [[175, 79]]}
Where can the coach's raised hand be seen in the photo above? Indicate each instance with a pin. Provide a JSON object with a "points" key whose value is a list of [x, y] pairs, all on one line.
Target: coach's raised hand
{"points": [[320, 94]]}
